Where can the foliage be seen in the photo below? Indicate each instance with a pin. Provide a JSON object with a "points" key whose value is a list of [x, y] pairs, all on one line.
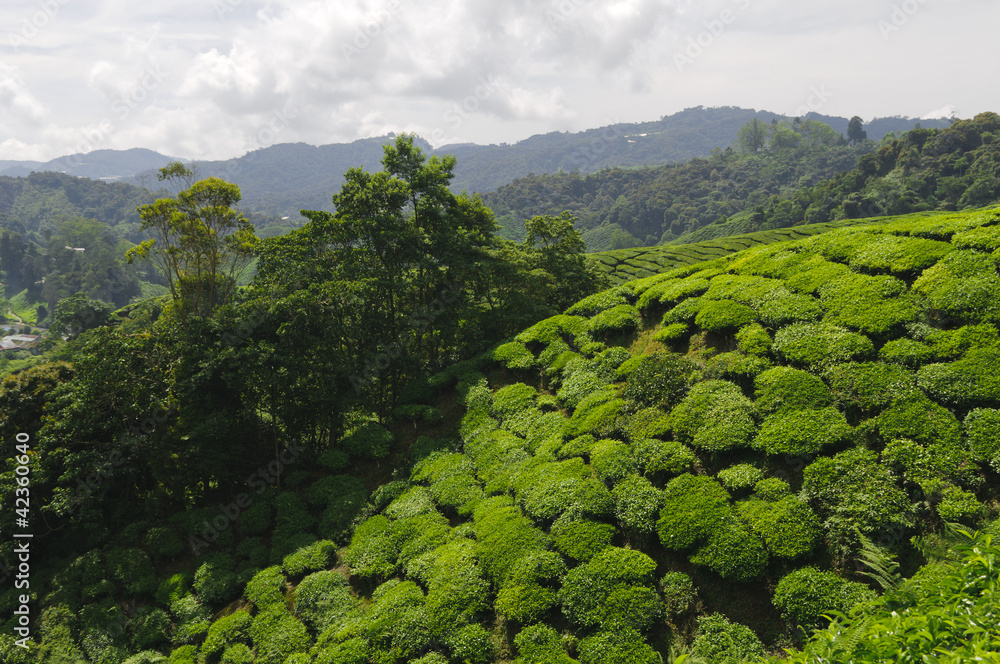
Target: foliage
{"points": [[723, 642], [540, 644], [693, 508], [784, 388], [733, 551], [637, 504], [659, 380], [714, 416], [662, 457], [740, 477], [787, 526], [982, 427], [611, 591], [821, 344], [679, 592], [802, 432]]}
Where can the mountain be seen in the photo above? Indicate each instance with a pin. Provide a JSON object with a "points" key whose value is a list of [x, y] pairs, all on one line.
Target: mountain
{"points": [[285, 178], [97, 165]]}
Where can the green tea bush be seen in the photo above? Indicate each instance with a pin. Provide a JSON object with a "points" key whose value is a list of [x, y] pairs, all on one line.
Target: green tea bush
{"points": [[540, 644], [548, 489], [173, 588], [598, 302], [983, 238], [736, 367], [791, 308], [292, 516], [917, 418], [813, 272], [612, 591], [322, 599], [192, 620], [277, 634], [722, 642], [368, 441], [852, 489], [525, 603], [618, 646], [732, 551], [671, 333], [672, 290], [504, 536], [579, 381], [509, 400], [785, 388], [577, 447], [660, 380], [333, 488], [372, 552], [693, 507], [581, 539], [905, 256], [256, 519], [804, 595], [238, 653], [679, 593], [963, 285], [802, 432], [869, 386], [398, 623], [457, 592], [753, 339], [821, 344], [226, 631], [147, 657], [471, 644], [657, 457], [184, 655], [723, 316], [685, 312], [316, 556], [452, 478], [266, 588], [772, 488], [596, 413], [982, 429], [612, 460], [637, 504], [151, 628], [970, 382], [959, 506], [788, 528], [415, 535], [514, 355], [740, 477], [618, 319], [909, 353], [415, 501], [956, 344], [714, 416], [334, 459], [646, 423], [556, 328], [214, 580]]}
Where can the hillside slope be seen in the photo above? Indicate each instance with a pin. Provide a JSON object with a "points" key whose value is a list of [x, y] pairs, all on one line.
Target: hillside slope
{"points": [[688, 462]]}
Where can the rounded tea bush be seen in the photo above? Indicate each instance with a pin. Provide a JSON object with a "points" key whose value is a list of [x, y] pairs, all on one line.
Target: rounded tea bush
{"points": [[785, 388], [693, 508], [581, 539], [733, 552], [804, 595], [540, 644], [612, 590], [714, 416], [723, 316], [802, 432], [637, 504], [788, 528], [678, 592], [740, 477], [368, 441], [821, 344], [982, 428], [722, 642]]}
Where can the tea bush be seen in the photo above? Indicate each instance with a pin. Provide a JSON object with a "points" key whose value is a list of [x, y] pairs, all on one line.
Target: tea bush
{"points": [[788, 528], [612, 591], [805, 594], [753, 339], [982, 428], [612, 460], [514, 355], [618, 319], [732, 551], [714, 416], [740, 477], [318, 555], [372, 552], [821, 344], [869, 386], [660, 380], [322, 599], [657, 457], [637, 504], [802, 432], [722, 642], [618, 645], [784, 388], [723, 316], [368, 441], [963, 285], [540, 644], [970, 382], [693, 507], [581, 539], [679, 593]]}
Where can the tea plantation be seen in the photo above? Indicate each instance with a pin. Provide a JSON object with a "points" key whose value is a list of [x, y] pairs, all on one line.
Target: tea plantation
{"points": [[708, 464]]}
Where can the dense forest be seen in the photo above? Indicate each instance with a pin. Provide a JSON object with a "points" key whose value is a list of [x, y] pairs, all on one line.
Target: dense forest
{"points": [[403, 437], [776, 176]]}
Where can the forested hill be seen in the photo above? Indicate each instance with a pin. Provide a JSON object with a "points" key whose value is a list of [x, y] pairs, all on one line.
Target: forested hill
{"points": [[801, 173]]}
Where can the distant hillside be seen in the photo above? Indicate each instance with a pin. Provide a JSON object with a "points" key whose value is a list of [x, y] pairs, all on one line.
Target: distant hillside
{"points": [[98, 165]]}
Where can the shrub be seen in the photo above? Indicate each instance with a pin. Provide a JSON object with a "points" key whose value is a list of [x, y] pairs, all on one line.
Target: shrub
{"points": [[959, 506], [723, 316], [226, 631], [183, 655], [577, 447], [323, 598], [670, 333], [637, 504], [693, 507], [869, 386], [525, 602], [740, 477], [916, 417], [547, 489], [453, 482], [612, 591], [581, 539], [772, 488], [735, 366], [802, 432], [238, 653], [504, 536], [620, 318], [852, 489], [821, 344], [612, 460], [787, 526], [963, 285], [714, 416], [646, 423], [266, 588], [906, 352], [678, 592], [457, 592], [784, 388], [596, 413], [804, 595], [147, 657], [722, 642], [540, 644], [514, 355], [791, 308], [471, 644], [967, 383], [982, 427], [899, 255], [619, 646], [666, 457], [368, 441], [754, 340], [598, 302], [685, 312], [256, 519], [172, 589], [507, 401], [733, 552], [151, 628], [277, 634], [578, 384], [659, 380], [291, 516], [192, 619], [214, 580], [316, 556], [372, 552]]}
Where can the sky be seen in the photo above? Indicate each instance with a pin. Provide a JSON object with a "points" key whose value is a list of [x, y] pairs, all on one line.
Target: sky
{"points": [[214, 79]]}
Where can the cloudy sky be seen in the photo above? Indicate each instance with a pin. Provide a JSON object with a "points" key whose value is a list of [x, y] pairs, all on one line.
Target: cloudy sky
{"points": [[212, 79]]}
